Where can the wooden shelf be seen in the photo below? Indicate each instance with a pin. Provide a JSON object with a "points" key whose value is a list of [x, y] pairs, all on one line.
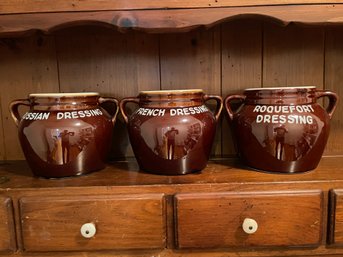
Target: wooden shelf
{"points": [[42, 215], [35, 6], [17, 175], [168, 20]]}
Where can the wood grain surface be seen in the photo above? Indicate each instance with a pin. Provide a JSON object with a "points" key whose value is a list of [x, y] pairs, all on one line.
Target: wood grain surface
{"points": [[170, 20], [27, 6], [2, 137], [336, 218], [7, 234], [215, 220], [122, 222], [111, 63], [193, 62], [225, 59], [28, 65], [293, 56], [241, 66], [122, 180], [172, 253], [249, 44], [218, 173], [333, 82]]}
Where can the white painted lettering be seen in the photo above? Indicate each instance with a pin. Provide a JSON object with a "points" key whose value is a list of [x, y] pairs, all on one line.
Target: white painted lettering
{"points": [[270, 109], [285, 109], [309, 119], [259, 118], [291, 119], [263, 108], [299, 108], [59, 115], [81, 114], [46, 115], [282, 119], [257, 108], [266, 119], [74, 115], [291, 108], [277, 109], [179, 112], [275, 118]]}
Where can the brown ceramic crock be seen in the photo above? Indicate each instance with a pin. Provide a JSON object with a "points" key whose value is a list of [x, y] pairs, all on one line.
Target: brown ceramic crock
{"points": [[64, 134], [281, 129], [172, 131]]}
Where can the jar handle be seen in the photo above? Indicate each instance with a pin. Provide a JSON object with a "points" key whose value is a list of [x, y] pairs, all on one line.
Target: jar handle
{"points": [[219, 101], [14, 105], [333, 100], [228, 106], [113, 100], [123, 103]]}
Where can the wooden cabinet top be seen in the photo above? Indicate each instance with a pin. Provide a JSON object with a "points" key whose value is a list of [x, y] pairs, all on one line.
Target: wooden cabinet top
{"points": [[17, 17], [218, 173]]}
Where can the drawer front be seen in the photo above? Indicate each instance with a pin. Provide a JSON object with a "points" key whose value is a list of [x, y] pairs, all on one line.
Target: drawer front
{"points": [[336, 218], [121, 222], [217, 219], [7, 234]]}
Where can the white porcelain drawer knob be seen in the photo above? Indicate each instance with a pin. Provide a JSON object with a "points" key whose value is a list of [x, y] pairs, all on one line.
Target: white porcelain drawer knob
{"points": [[88, 230], [250, 226]]}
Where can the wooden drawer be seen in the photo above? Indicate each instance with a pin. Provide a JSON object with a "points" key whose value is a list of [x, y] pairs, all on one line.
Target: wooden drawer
{"points": [[216, 219], [121, 222], [7, 234], [336, 217]]}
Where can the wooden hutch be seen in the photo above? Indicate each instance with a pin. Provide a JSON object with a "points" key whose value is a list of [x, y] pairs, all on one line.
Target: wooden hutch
{"points": [[119, 47]]}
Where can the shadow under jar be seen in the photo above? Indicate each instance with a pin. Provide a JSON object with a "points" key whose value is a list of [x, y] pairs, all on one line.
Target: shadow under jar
{"points": [[172, 131], [281, 129], [64, 134]]}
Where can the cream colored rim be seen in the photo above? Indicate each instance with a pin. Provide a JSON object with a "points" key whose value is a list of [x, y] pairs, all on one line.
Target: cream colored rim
{"points": [[64, 94], [279, 88], [176, 91]]}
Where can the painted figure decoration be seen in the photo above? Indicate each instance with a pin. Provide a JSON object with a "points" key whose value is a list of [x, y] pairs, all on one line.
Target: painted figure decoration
{"points": [[64, 134]]}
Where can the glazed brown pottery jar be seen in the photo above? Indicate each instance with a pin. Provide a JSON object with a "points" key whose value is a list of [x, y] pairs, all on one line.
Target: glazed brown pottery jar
{"points": [[64, 134], [281, 129], [172, 131]]}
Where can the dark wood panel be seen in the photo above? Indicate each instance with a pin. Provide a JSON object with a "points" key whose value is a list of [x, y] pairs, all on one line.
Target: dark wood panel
{"points": [[7, 234], [293, 56], [114, 64], [27, 6], [336, 218], [333, 82], [190, 61], [170, 20], [28, 65], [122, 222], [2, 138], [241, 66], [215, 220]]}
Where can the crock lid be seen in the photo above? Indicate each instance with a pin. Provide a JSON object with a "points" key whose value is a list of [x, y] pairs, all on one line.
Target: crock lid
{"points": [[279, 88], [58, 95], [176, 91]]}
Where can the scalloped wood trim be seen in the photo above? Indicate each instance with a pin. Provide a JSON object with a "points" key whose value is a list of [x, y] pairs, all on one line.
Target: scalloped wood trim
{"points": [[160, 21]]}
